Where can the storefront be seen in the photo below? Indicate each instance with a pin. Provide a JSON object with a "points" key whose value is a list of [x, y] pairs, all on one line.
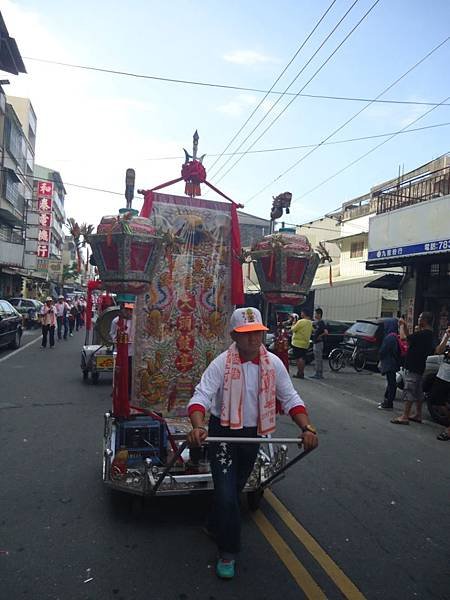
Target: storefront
{"points": [[417, 238]]}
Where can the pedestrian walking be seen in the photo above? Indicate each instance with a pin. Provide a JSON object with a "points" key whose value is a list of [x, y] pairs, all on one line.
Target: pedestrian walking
{"points": [[239, 389], [72, 317], [62, 325], [301, 337], [82, 310], [420, 346], [440, 390], [48, 320], [389, 362], [318, 337]]}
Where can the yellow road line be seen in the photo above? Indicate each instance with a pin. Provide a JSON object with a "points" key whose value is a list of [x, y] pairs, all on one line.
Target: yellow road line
{"points": [[346, 586], [297, 570]]}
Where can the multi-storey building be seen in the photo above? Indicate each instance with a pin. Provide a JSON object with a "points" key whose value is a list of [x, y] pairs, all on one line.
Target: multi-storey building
{"points": [[45, 235], [348, 291], [410, 232], [15, 193], [12, 171]]}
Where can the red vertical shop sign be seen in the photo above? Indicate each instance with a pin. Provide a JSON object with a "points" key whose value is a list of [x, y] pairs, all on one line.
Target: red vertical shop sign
{"points": [[44, 201]]}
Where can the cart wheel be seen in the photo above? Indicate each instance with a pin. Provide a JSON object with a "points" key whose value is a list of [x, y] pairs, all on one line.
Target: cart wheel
{"points": [[95, 377], [85, 375], [254, 499]]}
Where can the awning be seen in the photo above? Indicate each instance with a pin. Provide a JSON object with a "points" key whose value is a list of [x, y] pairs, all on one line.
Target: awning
{"points": [[390, 281]]}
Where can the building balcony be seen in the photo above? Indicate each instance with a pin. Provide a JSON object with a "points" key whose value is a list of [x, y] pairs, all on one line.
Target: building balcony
{"points": [[10, 213], [11, 254], [415, 190]]}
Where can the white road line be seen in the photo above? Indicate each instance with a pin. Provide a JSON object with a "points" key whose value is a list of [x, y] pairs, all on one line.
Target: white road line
{"points": [[20, 349]]}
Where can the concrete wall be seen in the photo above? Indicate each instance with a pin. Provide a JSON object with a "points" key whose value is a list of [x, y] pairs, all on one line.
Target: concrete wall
{"points": [[349, 300]]}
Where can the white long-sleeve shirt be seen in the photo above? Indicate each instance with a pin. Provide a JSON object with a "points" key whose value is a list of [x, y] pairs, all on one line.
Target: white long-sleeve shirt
{"points": [[130, 328], [209, 391]]}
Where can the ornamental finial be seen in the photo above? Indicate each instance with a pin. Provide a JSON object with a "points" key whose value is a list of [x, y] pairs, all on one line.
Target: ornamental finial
{"points": [[193, 156]]}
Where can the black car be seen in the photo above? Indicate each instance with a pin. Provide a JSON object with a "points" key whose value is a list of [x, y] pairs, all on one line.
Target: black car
{"points": [[335, 336], [10, 325], [368, 334]]}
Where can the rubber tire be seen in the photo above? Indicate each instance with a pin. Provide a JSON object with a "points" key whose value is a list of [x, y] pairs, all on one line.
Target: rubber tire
{"points": [[359, 362], [254, 499], [95, 377], [336, 360], [437, 412], [85, 375], [17, 339]]}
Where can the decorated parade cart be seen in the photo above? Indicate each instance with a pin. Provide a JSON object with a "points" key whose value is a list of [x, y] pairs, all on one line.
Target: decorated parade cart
{"points": [[97, 354], [180, 263]]}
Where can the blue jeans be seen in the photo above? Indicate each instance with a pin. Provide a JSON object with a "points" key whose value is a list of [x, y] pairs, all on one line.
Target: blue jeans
{"points": [[62, 322], [231, 465]]}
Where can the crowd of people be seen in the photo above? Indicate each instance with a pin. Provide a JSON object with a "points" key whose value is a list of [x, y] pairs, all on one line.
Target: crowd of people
{"points": [[61, 318], [399, 350]]}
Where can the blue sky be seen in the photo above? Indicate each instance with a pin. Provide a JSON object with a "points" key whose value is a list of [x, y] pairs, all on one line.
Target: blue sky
{"points": [[92, 126]]}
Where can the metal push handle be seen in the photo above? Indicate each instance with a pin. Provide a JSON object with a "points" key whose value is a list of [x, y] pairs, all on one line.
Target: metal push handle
{"points": [[249, 440]]}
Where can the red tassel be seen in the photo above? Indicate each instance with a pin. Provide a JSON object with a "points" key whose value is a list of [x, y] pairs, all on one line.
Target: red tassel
{"points": [[148, 204]]}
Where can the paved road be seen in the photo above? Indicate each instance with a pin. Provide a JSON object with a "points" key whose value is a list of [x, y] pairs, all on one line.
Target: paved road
{"points": [[366, 515]]}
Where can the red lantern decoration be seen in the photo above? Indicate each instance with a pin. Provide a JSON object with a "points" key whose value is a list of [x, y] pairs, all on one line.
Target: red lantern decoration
{"points": [[285, 266], [126, 249]]}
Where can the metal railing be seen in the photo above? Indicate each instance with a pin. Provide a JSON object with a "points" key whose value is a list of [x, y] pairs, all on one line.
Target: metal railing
{"points": [[415, 190]]}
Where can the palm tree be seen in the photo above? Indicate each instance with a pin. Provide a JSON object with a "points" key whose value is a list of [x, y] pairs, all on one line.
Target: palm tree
{"points": [[86, 231], [69, 272], [75, 232]]}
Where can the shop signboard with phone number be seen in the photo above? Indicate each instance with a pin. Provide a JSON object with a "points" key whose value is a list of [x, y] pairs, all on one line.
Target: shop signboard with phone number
{"points": [[413, 249]]}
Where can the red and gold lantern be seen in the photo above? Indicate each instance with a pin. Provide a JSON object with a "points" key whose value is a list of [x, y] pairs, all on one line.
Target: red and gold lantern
{"points": [[285, 265], [126, 249]]}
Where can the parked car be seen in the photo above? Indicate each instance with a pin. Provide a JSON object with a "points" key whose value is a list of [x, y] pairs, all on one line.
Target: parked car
{"points": [[438, 413], [368, 334], [10, 325], [29, 309]]}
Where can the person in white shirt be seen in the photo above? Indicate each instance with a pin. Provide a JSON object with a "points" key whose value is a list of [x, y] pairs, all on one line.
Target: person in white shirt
{"points": [[48, 322], [62, 310], [440, 390], [239, 389]]}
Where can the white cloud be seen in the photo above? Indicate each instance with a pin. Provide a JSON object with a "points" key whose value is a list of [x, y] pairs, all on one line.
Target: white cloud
{"points": [[91, 138], [247, 57], [235, 108]]}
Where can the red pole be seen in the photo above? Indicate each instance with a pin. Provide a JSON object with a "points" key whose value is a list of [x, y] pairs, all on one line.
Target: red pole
{"points": [[121, 404]]}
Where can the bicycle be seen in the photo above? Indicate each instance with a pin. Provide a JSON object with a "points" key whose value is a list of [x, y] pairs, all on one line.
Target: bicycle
{"points": [[340, 357]]}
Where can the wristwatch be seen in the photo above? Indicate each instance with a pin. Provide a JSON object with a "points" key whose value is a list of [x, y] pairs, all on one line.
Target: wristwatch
{"points": [[309, 428]]}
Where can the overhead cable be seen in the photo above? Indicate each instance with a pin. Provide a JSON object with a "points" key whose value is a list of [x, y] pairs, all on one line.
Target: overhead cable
{"points": [[366, 14], [354, 116], [353, 162], [229, 87], [302, 45], [267, 113], [287, 148]]}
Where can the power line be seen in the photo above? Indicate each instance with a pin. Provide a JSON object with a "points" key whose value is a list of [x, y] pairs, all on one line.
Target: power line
{"points": [[305, 85], [77, 185], [354, 116], [286, 89], [302, 45], [230, 87], [96, 189], [287, 148], [353, 162]]}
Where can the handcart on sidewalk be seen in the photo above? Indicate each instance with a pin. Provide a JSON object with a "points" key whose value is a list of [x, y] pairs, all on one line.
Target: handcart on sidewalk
{"points": [[179, 261]]}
